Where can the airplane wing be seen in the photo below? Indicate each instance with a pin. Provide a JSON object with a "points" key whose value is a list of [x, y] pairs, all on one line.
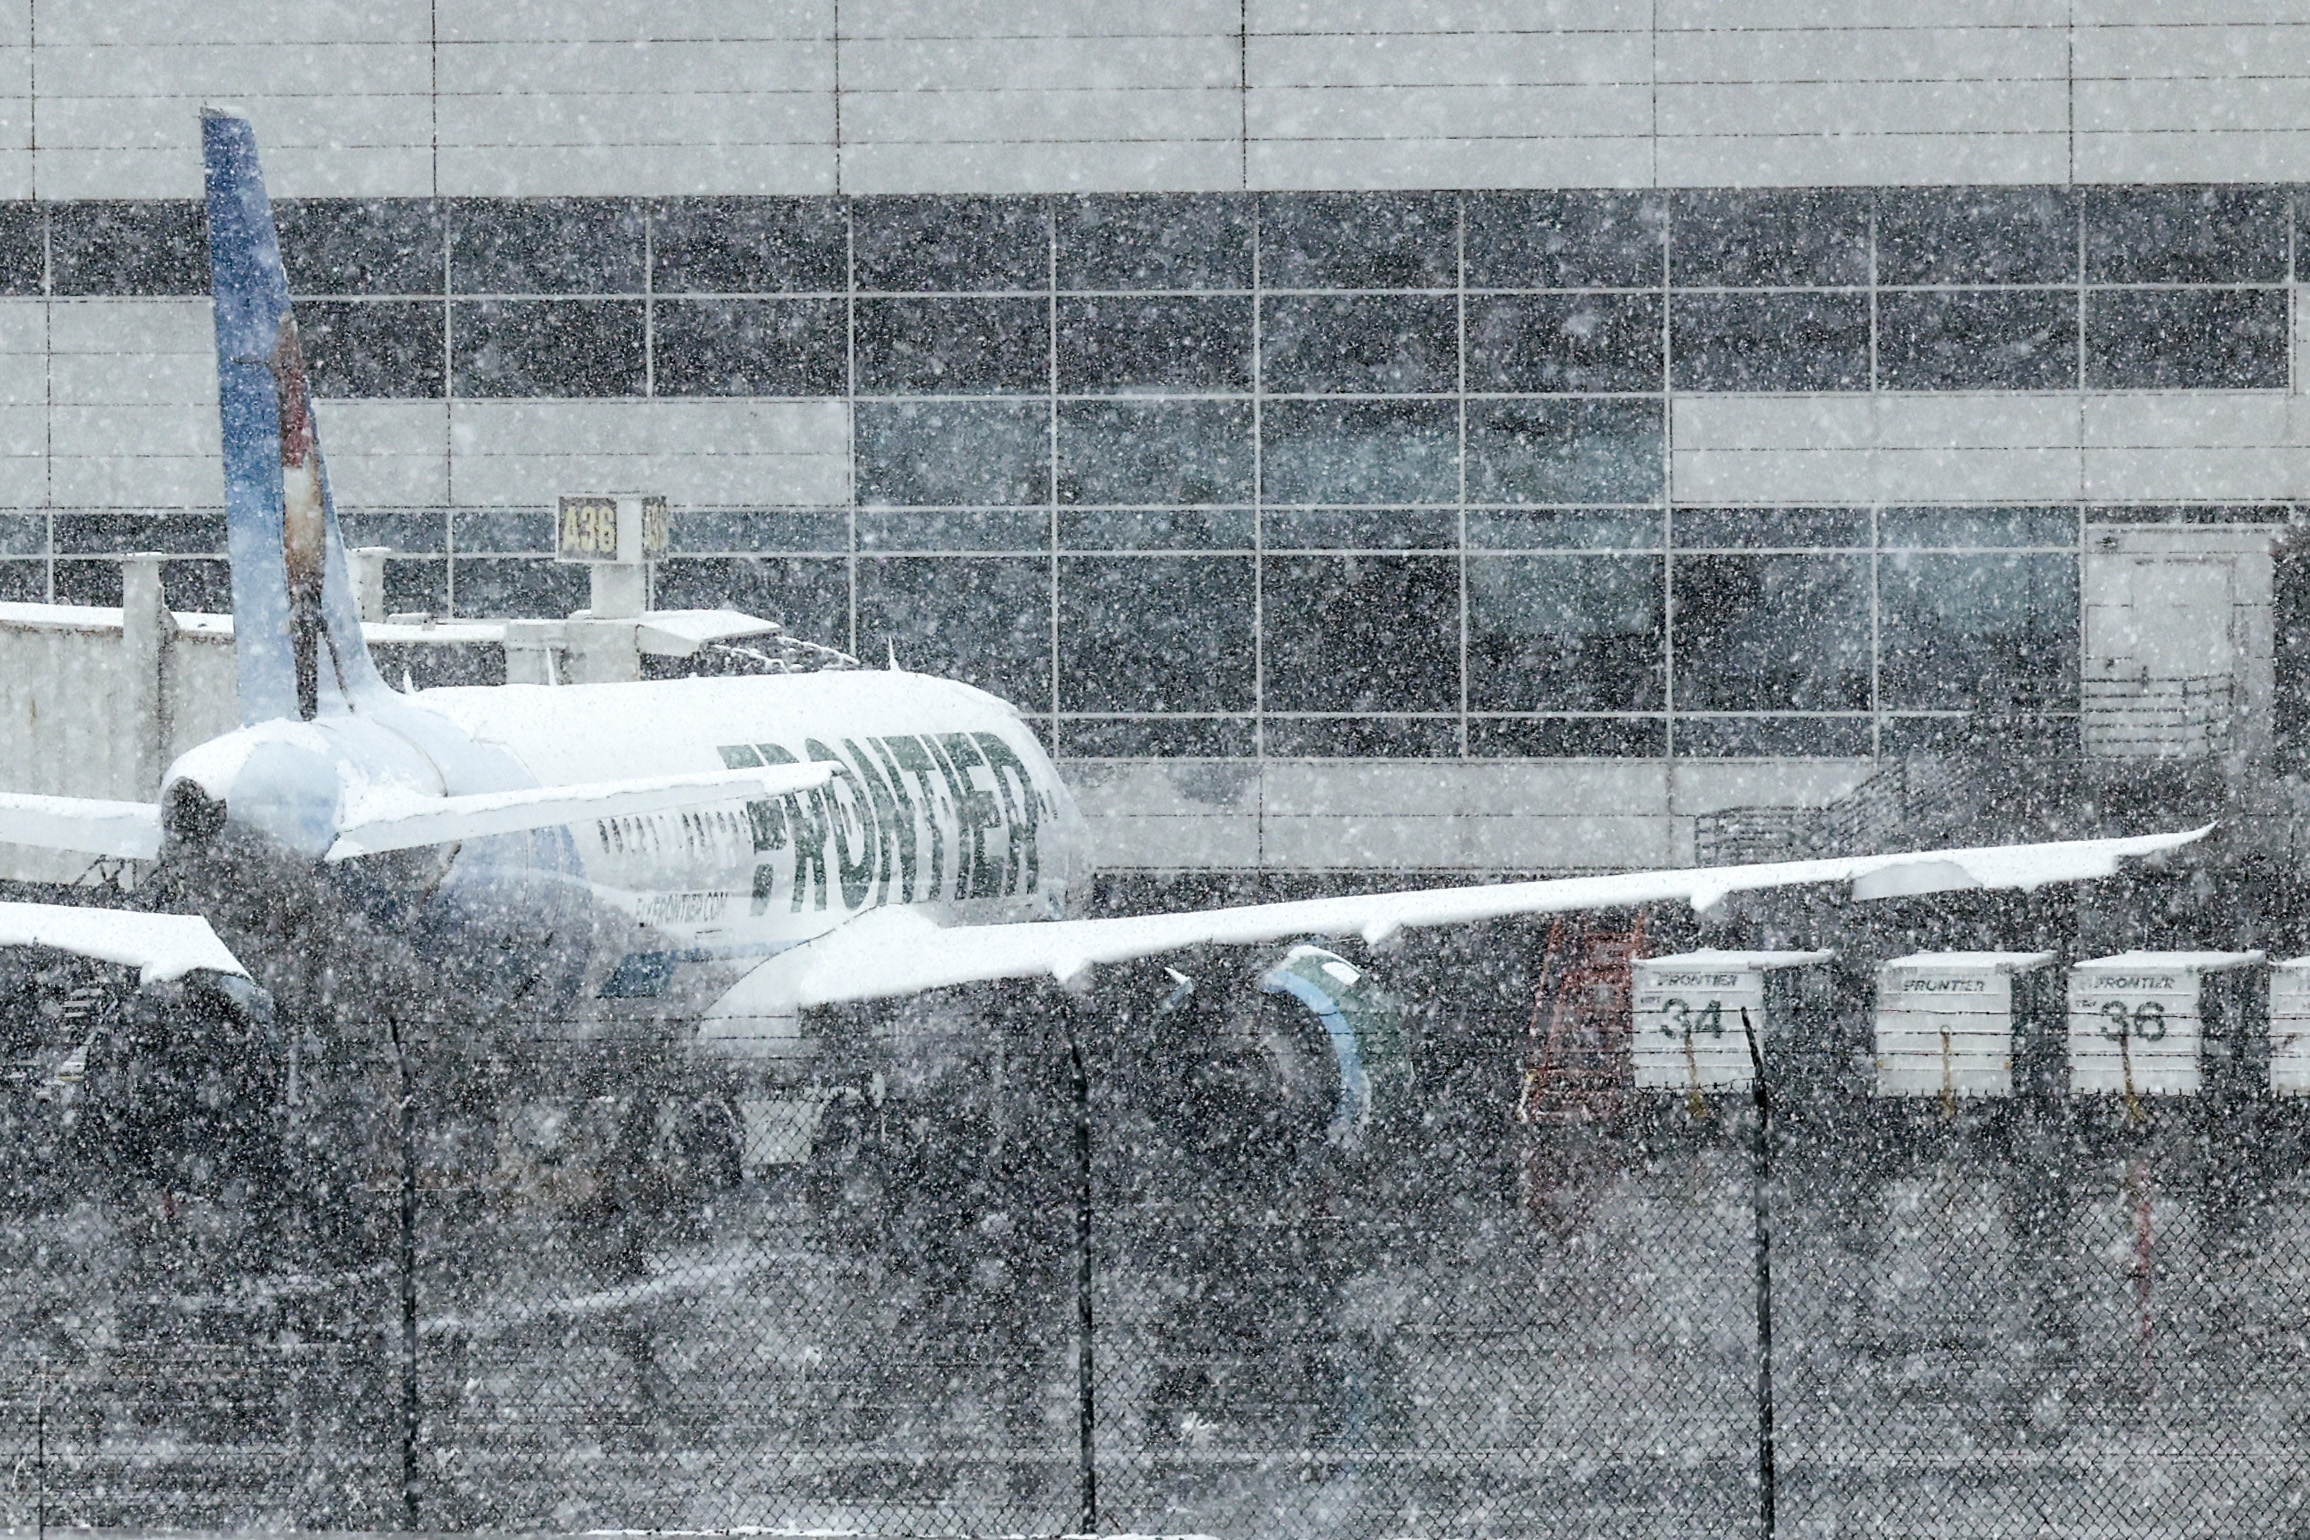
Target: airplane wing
{"points": [[410, 820], [891, 952], [161, 946], [85, 824]]}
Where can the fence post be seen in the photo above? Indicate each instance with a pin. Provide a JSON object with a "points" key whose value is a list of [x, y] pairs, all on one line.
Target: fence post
{"points": [[40, 1452], [408, 1238], [1761, 1175], [1087, 1469]]}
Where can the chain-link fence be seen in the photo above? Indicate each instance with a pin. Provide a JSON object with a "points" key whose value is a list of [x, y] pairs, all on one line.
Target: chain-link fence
{"points": [[1014, 1260]]}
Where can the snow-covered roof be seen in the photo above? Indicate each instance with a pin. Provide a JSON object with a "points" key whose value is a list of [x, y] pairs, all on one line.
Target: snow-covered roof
{"points": [[2192, 962], [1711, 957], [2001, 962], [678, 633]]}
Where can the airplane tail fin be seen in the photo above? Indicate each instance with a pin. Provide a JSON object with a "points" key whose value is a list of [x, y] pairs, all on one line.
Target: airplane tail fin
{"points": [[297, 631]]}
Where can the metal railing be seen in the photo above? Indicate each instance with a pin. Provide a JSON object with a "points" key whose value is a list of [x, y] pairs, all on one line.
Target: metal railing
{"points": [[1894, 805], [2167, 719]]}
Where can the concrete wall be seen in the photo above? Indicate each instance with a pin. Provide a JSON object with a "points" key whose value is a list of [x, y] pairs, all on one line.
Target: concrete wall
{"points": [[95, 702], [477, 97], [1533, 816]]}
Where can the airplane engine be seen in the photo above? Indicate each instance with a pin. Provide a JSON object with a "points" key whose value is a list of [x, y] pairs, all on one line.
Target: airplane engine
{"points": [[1252, 1071], [1258, 1073]]}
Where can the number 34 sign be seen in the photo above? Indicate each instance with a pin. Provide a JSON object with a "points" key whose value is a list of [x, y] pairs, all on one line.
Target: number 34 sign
{"points": [[1694, 1012], [1679, 1020]]}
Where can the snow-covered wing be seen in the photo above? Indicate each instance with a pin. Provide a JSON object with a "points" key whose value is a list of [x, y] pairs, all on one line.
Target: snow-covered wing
{"points": [[897, 952], [162, 946], [87, 824], [403, 821]]}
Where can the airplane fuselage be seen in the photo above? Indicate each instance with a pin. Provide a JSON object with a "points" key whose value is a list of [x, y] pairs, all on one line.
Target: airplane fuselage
{"points": [[946, 802]]}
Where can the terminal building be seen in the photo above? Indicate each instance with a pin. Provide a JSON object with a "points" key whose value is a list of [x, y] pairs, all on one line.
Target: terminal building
{"points": [[1392, 436]]}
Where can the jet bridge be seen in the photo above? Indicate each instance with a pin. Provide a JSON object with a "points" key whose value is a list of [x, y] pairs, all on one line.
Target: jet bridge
{"points": [[96, 700]]}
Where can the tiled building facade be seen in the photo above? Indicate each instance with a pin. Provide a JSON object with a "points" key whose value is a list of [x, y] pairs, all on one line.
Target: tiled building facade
{"points": [[1442, 435]]}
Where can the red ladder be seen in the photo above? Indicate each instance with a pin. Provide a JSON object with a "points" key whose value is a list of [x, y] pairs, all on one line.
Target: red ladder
{"points": [[1576, 1052], [1576, 1066]]}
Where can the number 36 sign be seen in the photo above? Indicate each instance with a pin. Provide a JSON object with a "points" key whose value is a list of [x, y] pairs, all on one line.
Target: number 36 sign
{"points": [[2137, 1021]]}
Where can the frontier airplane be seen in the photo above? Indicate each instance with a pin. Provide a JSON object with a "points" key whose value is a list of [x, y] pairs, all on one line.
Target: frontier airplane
{"points": [[705, 858]]}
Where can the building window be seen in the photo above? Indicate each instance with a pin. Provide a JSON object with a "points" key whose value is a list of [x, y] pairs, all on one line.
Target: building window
{"points": [[1566, 633], [1771, 341], [983, 620], [1564, 240], [1397, 344], [1285, 473], [935, 347], [748, 246], [1361, 633], [1536, 343], [377, 349], [1772, 632], [952, 453], [1156, 452], [361, 246], [954, 245], [1353, 452], [1976, 235], [1138, 241], [1981, 631], [1977, 339], [2185, 339], [548, 347], [1146, 343], [1564, 451], [1156, 634], [1359, 240], [545, 246], [749, 347]]}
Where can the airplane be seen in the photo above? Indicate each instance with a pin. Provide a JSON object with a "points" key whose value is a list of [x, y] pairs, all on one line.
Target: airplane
{"points": [[708, 859]]}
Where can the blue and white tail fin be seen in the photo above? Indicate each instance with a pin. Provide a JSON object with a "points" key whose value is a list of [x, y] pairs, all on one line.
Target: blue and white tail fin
{"points": [[297, 632]]}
